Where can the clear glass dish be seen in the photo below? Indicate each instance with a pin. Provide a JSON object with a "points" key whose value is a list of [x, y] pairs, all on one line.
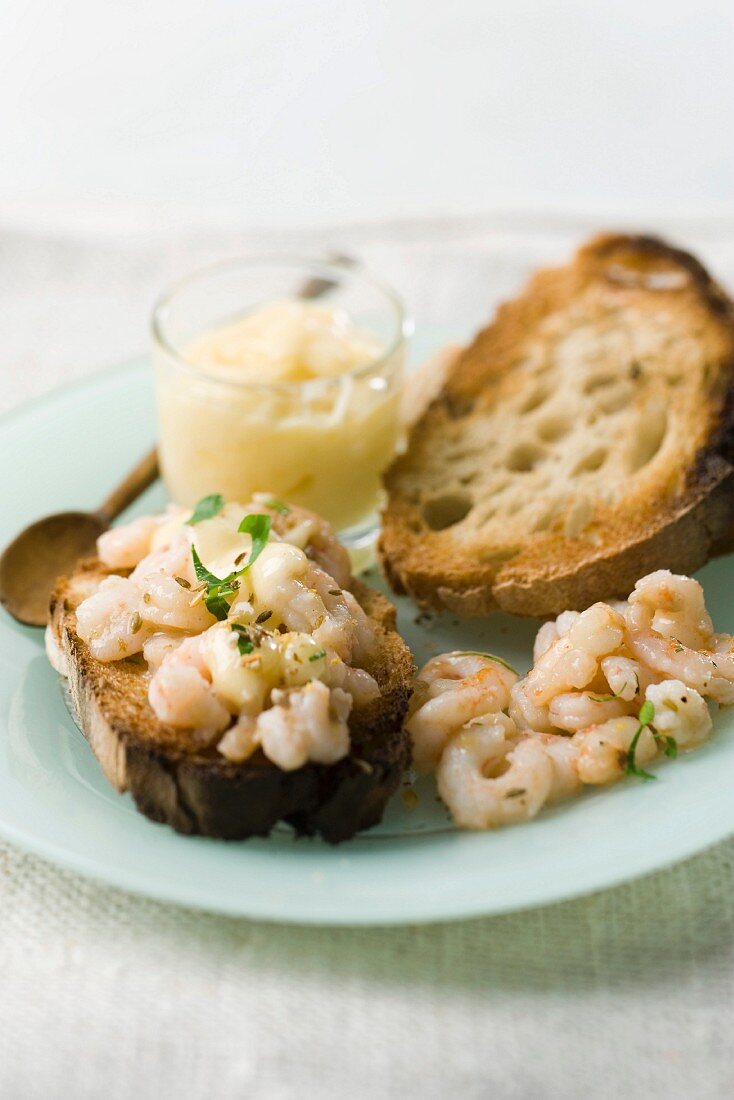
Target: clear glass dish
{"points": [[322, 443]]}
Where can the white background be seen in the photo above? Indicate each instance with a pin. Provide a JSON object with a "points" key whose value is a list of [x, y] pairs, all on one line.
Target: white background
{"points": [[279, 113]]}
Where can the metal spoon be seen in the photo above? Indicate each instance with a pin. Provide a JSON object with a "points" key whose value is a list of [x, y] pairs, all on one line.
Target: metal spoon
{"points": [[51, 547]]}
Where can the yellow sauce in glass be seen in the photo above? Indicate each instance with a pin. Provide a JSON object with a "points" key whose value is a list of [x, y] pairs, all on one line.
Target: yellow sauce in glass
{"points": [[274, 405]]}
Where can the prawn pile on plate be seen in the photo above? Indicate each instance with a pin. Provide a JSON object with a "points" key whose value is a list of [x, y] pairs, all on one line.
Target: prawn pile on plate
{"points": [[611, 688]]}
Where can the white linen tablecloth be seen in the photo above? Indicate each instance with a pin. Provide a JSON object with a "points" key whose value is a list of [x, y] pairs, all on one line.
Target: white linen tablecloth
{"points": [[626, 993]]}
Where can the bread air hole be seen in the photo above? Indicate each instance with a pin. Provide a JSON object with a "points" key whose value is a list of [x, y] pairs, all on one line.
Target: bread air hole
{"points": [[544, 521], [616, 399], [553, 428], [524, 457], [535, 399], [592, 461], [599, 382], [447, 510], [649, 439]]}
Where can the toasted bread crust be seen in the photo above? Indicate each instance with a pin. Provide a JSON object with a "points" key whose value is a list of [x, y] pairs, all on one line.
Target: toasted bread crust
{"points": [[676, 513], [199, 791]]}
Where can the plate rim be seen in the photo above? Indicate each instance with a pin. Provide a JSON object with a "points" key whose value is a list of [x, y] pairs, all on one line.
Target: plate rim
{"points": [[439, 914], [398, 911]]}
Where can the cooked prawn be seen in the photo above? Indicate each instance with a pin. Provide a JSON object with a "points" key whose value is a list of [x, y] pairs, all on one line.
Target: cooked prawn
{"points": [[451, 690], [680, 713], [111, 621], [181, 692], [123, 547], [308, 723], [488, 778], [602, 749], [577, 710], [572, 660], [670, 632]]}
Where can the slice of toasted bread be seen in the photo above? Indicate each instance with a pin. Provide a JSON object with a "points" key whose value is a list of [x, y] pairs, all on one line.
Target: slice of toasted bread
{"points": [[198, 791], [583, 439]]}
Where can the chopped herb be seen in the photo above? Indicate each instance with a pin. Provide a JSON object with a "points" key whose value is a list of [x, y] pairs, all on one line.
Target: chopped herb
{"points": [[136, 622], [207, 508], [609, 698], [277, 506], [244, 642], [257, 526], [202, 573], [217, 588], [666, 744], [263, 617], [318, 655], [679, 649], [647, 713], [489, 656], [183, 582], [515, 792]]}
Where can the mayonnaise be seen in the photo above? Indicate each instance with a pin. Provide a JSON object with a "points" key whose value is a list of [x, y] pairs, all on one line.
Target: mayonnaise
{"points": [[274, 404]]}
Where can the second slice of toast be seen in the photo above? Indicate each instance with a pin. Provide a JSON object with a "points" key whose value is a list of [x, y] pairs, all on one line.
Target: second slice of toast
{"points": [[585, 438]]}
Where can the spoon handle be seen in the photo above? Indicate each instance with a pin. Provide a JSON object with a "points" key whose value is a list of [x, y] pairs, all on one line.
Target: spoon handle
{"points": [[136, 482]]}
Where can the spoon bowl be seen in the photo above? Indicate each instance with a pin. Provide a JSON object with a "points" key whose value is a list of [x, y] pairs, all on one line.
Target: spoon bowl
{"points": [[49, 548], [40, 554]]}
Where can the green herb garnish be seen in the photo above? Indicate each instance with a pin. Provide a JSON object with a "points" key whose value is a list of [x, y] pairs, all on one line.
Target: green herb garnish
{"points": [[277, 506], [647, 713], [257, 526], [207, 508], [609, 698], [489, 656], [244, 642], [318, 655], [218, 588], [666, 744]]}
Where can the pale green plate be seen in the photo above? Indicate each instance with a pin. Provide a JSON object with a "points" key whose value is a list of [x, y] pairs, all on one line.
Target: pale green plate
{"points": [[65, 452]]}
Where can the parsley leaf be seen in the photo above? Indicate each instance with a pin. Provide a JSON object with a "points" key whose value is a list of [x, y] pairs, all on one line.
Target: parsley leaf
{"points": [[217, 588], [277, 506], [257, 526], [207, 508], [244, 642], [202, 573], [318, 655], [666, 744], [647, 713]]}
